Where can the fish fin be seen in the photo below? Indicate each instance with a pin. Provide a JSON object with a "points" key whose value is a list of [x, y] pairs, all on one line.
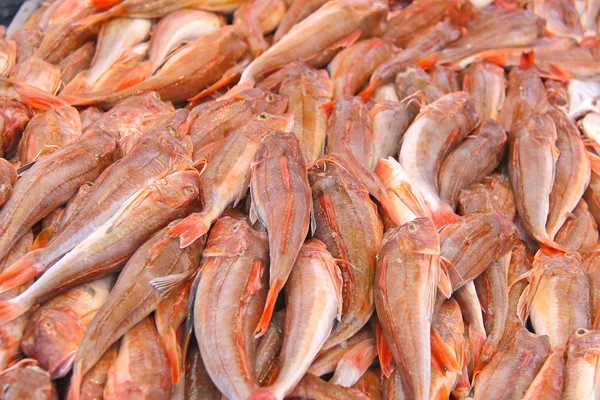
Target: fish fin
{"points": [[441, 354], [11, 309], [367, 92], [76, 100], [382, 284], [25, 168], [428, 62], [254, 284], [527, 60], [444, 284], [411, 199], [237, 89], [524, 303], [42, 239], [445, 263], [346, 41], [594, 162], [313, 221], [104, 3], [37, 98], [75, 382], [188, 328], [252, 215], [339, 282], [228, 77], [265, 318], [443, 215], [20, 272], [263, 393], [244, 188], [596, 319], [383, 350], [557, 74], [190, 229], [519, 278], [130, 206], [171, 345], [166, 284], [354, 363], [551, 248], [139, 74], [441, 394], [419, 97], [327, 107], [96, 18]]}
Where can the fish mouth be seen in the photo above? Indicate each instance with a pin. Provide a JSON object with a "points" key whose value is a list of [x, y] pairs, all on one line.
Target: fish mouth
{"points": [[63, 367]]}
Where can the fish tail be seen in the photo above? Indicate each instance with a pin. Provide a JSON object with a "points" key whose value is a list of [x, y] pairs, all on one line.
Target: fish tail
{"points": [[476, 343], [551, 248], [264, 393], [370, 89], [265, 318], [190, 229], [42, 239], [170, 342], [12, 309], [37, 98], [384, 351], [443, 215], [139, 74], [20, 272]]}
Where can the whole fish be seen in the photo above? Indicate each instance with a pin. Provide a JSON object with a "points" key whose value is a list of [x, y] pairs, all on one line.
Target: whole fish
{"points": [[25, 380], [224, 180], [470, 245], [11, 333], [521, 261], [55, 330], [338, 196], [328, 360], [184, 74], [38, 73], [296, 12], [525, 97], [448, 81], [492, 194], [572, 172], [524, 352], [140, 370], [352, 67], [8, 178], [51, 182], [154, 156], [339, 23], [482, 152], [548, 383], [389, 121], [132, 298], [407, 275], [280, 189], [437, 129], [562, 18], [531, 167], [256, 18], [579, 232], [581, 365], [105, 250], [485, 82], [557, 299], [115, 37], [313, 300], [307, 93], [14, 116], [177, 28], [76, 62], [49, 131], [233, 287], [94, 381]]}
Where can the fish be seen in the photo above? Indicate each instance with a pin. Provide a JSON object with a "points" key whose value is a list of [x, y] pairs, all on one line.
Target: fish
{"points": [[48, 131], [548, 383], [591, 196], [412, 80], [494, 193], [389, 121], [297, 11], [95, 380], [280, 189], [581, 363], [385, 92], [525, 97], [484, 150], [438, 128], [328, 360], [313, 302], [562, 18], [170, 33], [337, 197], [257, 18], [132, 298], [521, 262], [106, 249], [557, 299], [14, 116], [311, 386], [485, 82], [448, 81], [55, 330], [28, 41], [234, 282], [572, 172], [408, 268], [352, 67], [475, 334], [76, 62], [355, 363], [8, 178], [28, 94], [8, 55], [370, 384], [184, 74], [536, 136], [155, 156], [307, 93], [340, 23], [525, 352], [141, 369], [38, 73], [89, 115], [268, 348], [121, 68], [224, 180], [590, 264], [26, 380], [578, 233]]}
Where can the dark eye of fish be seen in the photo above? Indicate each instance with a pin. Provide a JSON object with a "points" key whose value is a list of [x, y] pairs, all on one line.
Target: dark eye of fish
{"points": [[581, 331], [235, 227]]}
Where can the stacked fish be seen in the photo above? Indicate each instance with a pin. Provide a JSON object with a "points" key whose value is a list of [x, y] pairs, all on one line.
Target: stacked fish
{"points": [[268, 199]]}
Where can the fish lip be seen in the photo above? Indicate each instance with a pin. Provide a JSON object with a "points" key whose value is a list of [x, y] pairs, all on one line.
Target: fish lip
{"points": [[64, 366]]}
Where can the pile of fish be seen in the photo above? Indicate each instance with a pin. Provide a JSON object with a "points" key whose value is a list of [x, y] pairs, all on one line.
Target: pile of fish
{"points": [[310, 199]]}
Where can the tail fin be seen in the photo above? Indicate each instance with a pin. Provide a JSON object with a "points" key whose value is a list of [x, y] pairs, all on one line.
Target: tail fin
{"points": [[37, 98], [384, 351], [265, 318], [190, 229], [104, 3], [488, 351], [139, 74], [354, 363], [552, 248], [11, 310], [20, 272], [170, 342], [444, 215]]}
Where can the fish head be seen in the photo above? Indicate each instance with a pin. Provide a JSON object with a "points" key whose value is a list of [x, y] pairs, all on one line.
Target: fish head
{"points": [[180, 189], [272, 103], [584, 343], [25, 380], [264, 122], [66, 116], [229, 237], [51, 337], [508, 230], [419, 236], [14, 115]]}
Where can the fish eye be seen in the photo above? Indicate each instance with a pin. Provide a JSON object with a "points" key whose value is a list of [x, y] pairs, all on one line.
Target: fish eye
{"points": [[48, 324], [310, 73], [514, 249], [513, 236], [89, 184], [58, 113], [581, 331], [262, 116], [412, 227], [6, 388], [172, 130], [114, 115], [269, 97], [190, 190], [235, 227], [569, 255], [156, 96]]}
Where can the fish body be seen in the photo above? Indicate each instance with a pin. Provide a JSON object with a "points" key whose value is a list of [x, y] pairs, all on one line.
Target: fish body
{"points": [[492, 194], [26, 380], [38, 73], [485, 82], [77, 61], [8, 178], [14, 116], [389, 121], [578, 233], [525, 96], [581, 366]]}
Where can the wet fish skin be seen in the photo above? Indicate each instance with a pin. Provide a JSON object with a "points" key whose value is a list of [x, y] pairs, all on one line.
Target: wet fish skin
{"points": [[579, 232], [38, 73], [296, 12], [521, 262], [562, 18], [448, 81], [8, 55], [8, 178], [548, 383], [475, 334], [313, 387], [198, 384], [233, 287], [525, 96], [581, 365], [592, 196], [485, 82], [14, 116], [256, 18], [25, 380], [89, 115], [338, 196], [28, 41], [492, 194], [77, 61], [412, 80], [328, 359], [389, 121], [94, 381], [482, 152]]}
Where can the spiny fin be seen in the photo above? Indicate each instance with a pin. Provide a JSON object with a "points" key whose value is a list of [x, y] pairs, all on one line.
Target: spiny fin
{"points": [[254, 284], [444, 284], [265, 318], [166, 284], [441, 355]]}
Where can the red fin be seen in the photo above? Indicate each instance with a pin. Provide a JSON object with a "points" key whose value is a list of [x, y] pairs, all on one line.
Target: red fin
{"points": [[428, 62], [42, 239], [237, 89], [443, 216], [488, 351], [76, 378], [384, 351], [139, 74], [346, 41], [370, 89], [496, 57], [265, 318], [96, 18], [75, 100], [552, 248], [190, 229], [526, 61], [228, 77], [328, 107], [172, 351], [254, 282], [354, 363], [104, 3], [476, 343], [11, 310], [441, 355], [37, 98], [20, 272], [558, 74], [264, 393]]}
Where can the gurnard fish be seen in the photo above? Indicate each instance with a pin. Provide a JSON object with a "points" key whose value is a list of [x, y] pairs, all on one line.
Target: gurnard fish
{"points": [[338, 196], [224, 180], [485, 82], [133, 298], [121, 68], [525, 97], [26, 380], [27, 40], [581, 365], [439, 127], [105, 250], [155, 155], [389, 121], [494, 193], [233, 287], [313, 301], [521, 261], [475, 334], [257, 18], [448, 81], [548, 383], [412, 80]]}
